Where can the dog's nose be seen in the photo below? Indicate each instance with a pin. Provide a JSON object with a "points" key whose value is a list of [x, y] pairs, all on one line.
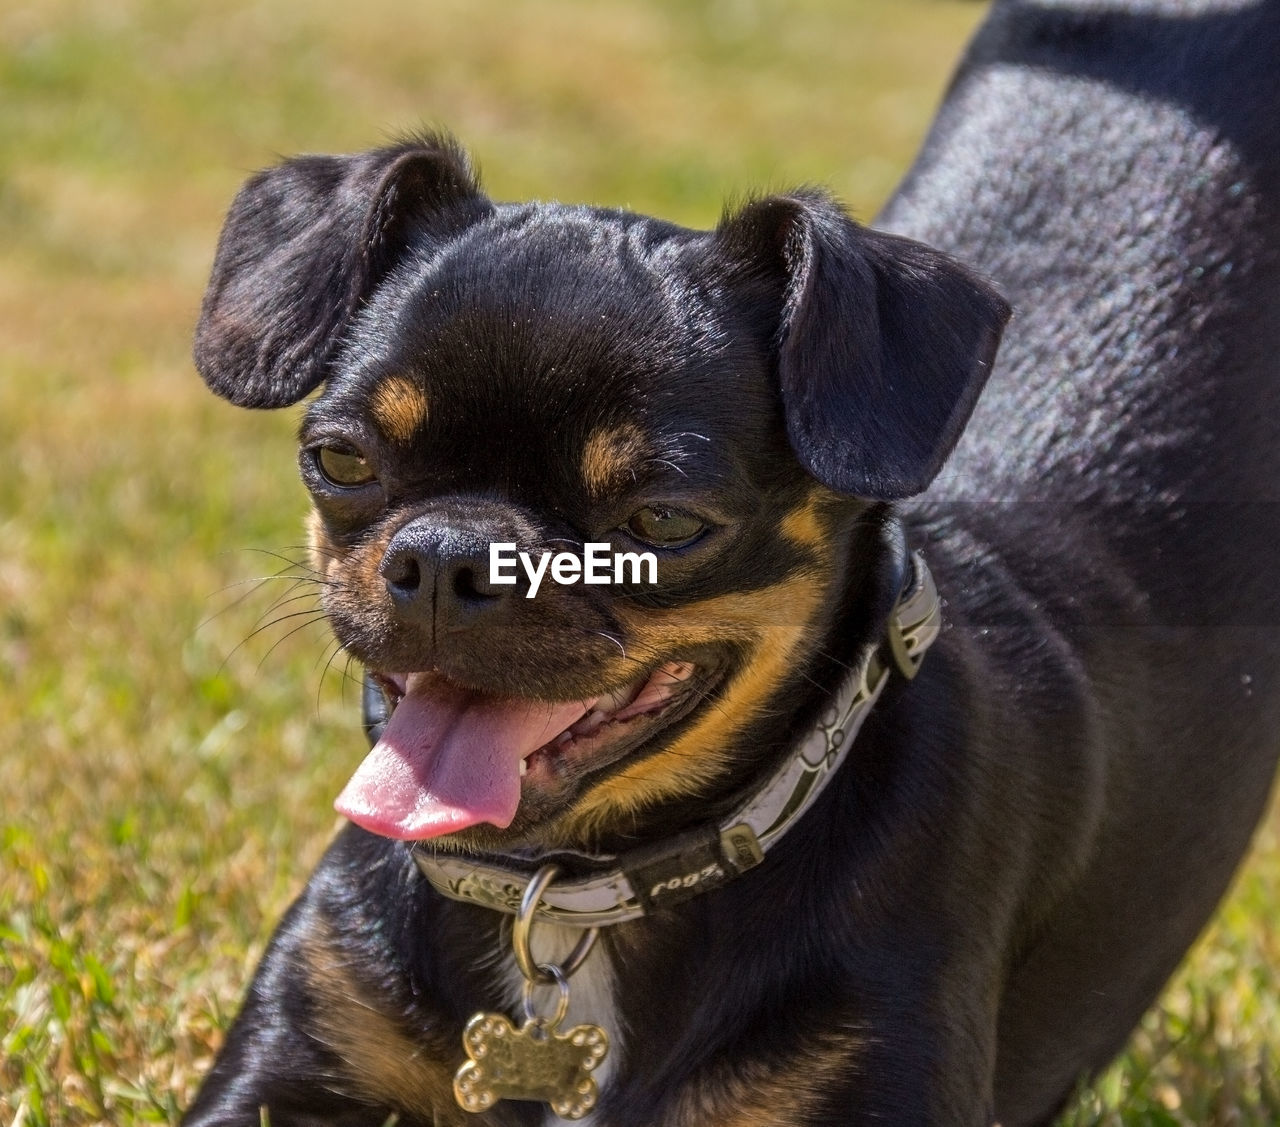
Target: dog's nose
{"points": [[441, 570]]}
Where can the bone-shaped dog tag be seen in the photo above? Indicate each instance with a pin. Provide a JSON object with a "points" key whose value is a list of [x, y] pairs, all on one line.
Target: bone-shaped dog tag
{"points": [[534, 1062]]}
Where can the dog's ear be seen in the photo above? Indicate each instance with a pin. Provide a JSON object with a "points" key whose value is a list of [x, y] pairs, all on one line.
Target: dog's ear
{"points": [[303, 244], [882, 343]]}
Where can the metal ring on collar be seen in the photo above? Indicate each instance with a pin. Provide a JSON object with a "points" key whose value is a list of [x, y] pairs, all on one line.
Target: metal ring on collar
{"points": [[533, 971], [554, 975]]}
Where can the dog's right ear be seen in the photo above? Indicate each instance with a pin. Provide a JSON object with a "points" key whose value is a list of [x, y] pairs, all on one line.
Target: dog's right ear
{"points": [[881, 344], [303, 245]]}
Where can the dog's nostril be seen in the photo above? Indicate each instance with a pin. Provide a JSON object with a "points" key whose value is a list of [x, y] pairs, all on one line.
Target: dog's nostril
{"points": [[467, 587], [404, 573]]}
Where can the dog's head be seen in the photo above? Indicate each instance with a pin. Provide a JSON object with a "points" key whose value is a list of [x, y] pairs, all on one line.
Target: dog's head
{"points": [[721, 414]]}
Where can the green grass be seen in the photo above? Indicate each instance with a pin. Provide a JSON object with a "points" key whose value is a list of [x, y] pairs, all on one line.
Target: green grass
{"points": [[165, 785]]}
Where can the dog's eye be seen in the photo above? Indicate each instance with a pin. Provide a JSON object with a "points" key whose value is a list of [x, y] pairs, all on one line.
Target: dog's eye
{"points": [[667, 528], [344, 466]]}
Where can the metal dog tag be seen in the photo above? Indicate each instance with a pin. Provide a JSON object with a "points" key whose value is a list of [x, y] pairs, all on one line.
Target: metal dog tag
{"points": [[534, 1062]]}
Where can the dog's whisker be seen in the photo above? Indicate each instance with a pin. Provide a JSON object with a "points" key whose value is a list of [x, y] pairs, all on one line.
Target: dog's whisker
{"points": [[280, 555], [312, 621], [312, 615], [331, 652], [283, 573], [286, 600], [315, 613], [332, 648], [255, 584], [349, 677], [271, 615]]}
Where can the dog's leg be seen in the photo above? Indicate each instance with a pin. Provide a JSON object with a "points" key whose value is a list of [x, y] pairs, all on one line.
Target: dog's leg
{"points": [[274, 1070], [346, 1022]]}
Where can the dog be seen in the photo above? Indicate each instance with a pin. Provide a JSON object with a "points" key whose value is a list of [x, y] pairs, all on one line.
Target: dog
{"points": [[904, 785]]}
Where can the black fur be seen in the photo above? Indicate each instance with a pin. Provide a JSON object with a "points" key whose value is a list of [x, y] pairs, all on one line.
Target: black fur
{"points": [[1028, 836], [304, 245], [884, 346]]}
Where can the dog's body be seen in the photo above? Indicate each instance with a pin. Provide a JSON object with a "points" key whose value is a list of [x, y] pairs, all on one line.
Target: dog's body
{"points": [[1023, 841], [1135, 418]]}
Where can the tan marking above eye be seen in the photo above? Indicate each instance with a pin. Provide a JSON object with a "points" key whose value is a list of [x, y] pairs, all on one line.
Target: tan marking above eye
{"points": [[399, 408], [610, 456]]}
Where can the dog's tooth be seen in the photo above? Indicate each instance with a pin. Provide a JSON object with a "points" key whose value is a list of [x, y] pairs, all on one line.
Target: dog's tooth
{"points": [[589, 723], [524, 767], [624, 696]]}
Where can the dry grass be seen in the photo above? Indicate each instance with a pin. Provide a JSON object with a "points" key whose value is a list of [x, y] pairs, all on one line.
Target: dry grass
{"points": [[164, 788]]}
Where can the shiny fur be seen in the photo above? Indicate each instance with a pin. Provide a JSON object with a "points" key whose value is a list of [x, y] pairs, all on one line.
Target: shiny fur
{"points": [[1026, 838]]}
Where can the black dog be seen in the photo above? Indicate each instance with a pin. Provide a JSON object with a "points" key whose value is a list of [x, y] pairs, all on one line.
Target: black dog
{"points": [[946, 920]]}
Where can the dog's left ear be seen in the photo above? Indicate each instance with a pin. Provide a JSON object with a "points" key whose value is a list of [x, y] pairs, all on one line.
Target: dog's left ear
{"points": [[882, 346], [305, 244]]}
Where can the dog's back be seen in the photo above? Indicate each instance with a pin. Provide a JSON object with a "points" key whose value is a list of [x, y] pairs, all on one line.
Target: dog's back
{"points": [[1115, 168]]}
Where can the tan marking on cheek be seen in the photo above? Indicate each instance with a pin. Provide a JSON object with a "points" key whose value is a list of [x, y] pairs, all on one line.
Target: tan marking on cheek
{"points": [[351, 583], [772, 624], [805, 525], [325, 554], [609, 457], [380, 1060], [399, 408]]}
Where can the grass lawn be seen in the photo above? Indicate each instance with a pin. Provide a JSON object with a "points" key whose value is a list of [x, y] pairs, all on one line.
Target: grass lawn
{"points": [[167, 769]]}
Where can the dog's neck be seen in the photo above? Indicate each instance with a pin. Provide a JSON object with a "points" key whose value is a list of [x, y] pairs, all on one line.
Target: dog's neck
{"points": [[607, 889]]}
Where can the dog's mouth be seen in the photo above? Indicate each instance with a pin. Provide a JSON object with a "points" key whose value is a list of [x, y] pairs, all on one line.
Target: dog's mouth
{"points": [[452, 757]]}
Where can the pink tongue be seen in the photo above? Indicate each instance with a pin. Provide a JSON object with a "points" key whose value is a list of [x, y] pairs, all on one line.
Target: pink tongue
{"points": [[449, 758]]}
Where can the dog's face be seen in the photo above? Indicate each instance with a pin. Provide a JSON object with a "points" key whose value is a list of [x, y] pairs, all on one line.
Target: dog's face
{"points": [[552, 378], [736, 404]]}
